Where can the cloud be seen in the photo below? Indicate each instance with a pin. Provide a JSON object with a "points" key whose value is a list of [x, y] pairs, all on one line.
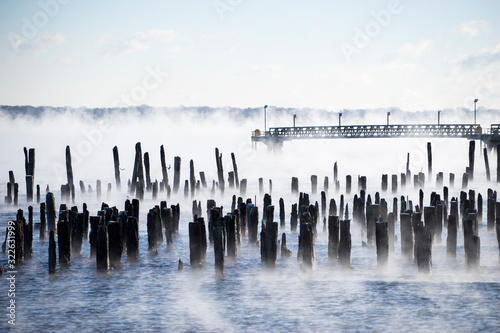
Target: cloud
{"points": [[174, 51], [414, 51], [472, 28], [38, 45], [487, 57], [143, 40]]}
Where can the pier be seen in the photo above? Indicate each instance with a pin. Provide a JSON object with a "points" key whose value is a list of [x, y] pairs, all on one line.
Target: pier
{"points": [[275, 136]]}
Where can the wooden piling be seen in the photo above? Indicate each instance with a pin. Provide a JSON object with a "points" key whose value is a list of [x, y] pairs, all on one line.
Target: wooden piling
{"points": [[391, 229], [219, 250], [306, 253], [295, 185], [382, 243], [235, 170], [269, 241], [102, 249], [429, 160], [472, 149], [253, 223], [406, 235], [333, 237], [231, 235], [471, 243], [423, 244], [384, 183], [77, 234], [294, 218], [348, 184], [64, 242], [451, 241], [314, 184], [115, 241], [132, 238], [52, 253], [220, 170], [344, 251], [282, 212], [29, 164], [69, 169], [394, 183]]}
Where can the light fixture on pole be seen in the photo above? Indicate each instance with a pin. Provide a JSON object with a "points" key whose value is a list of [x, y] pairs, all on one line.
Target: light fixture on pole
{"points": [[265, 119], [340, 117], [388, 114], [475, 101]]}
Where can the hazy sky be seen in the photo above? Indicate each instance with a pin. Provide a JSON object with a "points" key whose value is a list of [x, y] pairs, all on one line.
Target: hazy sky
{"points": [[244, 53]]}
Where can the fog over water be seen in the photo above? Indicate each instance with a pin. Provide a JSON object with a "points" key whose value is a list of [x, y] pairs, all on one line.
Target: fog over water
{"points": [[151, 295]]}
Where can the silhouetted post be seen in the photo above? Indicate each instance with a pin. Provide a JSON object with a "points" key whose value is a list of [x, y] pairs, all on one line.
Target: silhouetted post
{"points": [[69, 170], [116, 161], [333, 237], [306, 253], [344, 251], [384, 183], [490, 211], [314, 184], [472, 149], [231, 236], [406, 236], [219, 250], [52, 253], [197, 242], [382, 242], [430, 219], [77, 234], [269, 240], [220, 170], [394, 183], [43, 221], [192, 178], [177, 174], [29, 164], [451, 241], [163, 167], [294, 218], [335, 173], [64, 242], [95, 221], [486, 163], [102, 250], [282, 212], [253, 223], [391, 230], [235, 170], [132, 238], [423, 245], [348, 181], [295, 185], [243, 187], [429, 160], [471, 243], [115, 239], [439, 179]]}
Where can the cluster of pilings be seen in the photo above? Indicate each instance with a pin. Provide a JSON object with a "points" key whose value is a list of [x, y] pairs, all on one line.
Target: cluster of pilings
{"points": [[112, 232]]}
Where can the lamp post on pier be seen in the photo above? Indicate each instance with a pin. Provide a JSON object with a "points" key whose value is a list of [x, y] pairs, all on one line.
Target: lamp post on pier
{"points": [[475, 101]]}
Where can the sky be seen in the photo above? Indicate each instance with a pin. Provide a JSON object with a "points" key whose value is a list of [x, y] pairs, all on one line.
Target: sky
{"points": [[334, 55]]}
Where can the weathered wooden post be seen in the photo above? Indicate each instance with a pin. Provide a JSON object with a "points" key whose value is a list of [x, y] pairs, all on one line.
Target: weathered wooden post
{"points": [[451, 241], [52, 253], [471, 243], [95, 221], [423, 244], [116, 160], [29, 164], [43, 221], [429, 160], [231, 235], [472, 149], [64, 241], [382, 242], [115, 239], [406, 235], [348, 181], [282, 212], [490, 210], [147, 168], [220, 170], [294, 216], [314, 184], [51, 211], [439, 179], [333, 237], [384, 183], [102, 249], [253, 223], [69, 171], [219, 250], [391, 230], [269, 240], [430, 217], [295, 185], [132, 238], [394, 183], [306, 253], [235, 170], [77, 234], [344, 250]]}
